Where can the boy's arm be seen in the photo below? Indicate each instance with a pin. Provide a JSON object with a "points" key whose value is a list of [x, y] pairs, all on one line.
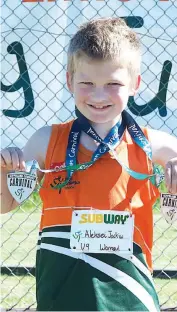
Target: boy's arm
{"points": [[164, 153], [36, 148]]}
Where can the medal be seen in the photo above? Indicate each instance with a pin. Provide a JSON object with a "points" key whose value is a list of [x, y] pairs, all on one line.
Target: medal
{"points": [[21, 184], [168, 205]]}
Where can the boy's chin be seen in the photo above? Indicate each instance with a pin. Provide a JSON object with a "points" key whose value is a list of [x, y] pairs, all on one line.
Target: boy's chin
{"points": [[103, 120]]}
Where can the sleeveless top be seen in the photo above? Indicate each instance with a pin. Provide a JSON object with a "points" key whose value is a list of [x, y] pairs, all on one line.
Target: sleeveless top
{"points": [[67, 280]]}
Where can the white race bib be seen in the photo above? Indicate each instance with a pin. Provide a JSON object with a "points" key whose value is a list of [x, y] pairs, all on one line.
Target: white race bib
{"points": [[102, 231]]}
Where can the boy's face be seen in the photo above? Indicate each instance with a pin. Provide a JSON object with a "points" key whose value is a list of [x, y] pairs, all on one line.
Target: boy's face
{"points": [[101, 89]]}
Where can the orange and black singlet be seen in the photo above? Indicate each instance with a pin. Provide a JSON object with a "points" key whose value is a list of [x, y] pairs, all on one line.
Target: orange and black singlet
{"points": [[71, 281]]}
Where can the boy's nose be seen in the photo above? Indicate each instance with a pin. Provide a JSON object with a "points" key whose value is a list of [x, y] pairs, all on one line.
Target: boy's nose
{"points": [[98, 95]]}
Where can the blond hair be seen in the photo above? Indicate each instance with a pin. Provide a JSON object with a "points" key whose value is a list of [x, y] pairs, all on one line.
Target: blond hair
{"points": [[105, 39]]}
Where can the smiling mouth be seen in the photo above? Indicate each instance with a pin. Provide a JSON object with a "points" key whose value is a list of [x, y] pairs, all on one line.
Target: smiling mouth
{"points": [[99, 106]]}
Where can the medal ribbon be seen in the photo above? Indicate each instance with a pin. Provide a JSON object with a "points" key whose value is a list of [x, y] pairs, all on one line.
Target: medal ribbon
{"points": [[110, 142]]}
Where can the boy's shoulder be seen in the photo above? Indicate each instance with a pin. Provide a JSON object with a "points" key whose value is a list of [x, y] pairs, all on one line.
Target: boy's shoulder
{"points": [[43, 134], [37, 145], [43, 131]]}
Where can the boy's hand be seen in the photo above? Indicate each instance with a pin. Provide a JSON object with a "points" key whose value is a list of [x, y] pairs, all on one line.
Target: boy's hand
{"points": [[12, 159], [171, 175]]}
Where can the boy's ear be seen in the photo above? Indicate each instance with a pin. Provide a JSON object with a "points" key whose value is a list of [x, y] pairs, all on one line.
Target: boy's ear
{"points": [[135, 88], [69, 81]]}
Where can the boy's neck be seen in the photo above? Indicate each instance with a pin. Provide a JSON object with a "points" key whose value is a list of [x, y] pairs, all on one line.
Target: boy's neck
{"points": [[102, 129]]}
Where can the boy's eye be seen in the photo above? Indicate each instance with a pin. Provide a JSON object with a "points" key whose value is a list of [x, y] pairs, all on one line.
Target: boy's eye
{"points": [[86, 82], [114, 84]]}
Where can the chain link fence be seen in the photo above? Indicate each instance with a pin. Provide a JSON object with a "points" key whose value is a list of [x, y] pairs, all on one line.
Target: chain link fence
{"points": [[35, 36]]}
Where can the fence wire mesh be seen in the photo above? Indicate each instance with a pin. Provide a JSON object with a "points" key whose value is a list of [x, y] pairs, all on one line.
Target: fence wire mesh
{"points": [[35, 36]]}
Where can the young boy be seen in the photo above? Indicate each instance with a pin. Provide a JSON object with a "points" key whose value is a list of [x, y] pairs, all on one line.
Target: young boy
{"points": [[103, 71]]}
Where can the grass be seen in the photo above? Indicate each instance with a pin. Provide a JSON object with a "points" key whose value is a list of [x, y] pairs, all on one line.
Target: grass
{"points": [[19, 237], [18, 292], [167, 292], [165, 244]]}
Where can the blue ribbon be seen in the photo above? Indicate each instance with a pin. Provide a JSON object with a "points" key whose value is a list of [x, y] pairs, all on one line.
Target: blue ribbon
{"points": [[109, 142]]}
